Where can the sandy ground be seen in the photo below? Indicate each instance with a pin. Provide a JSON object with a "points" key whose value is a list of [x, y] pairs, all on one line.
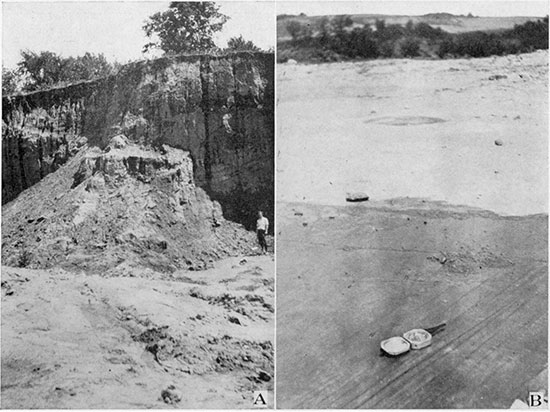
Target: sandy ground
{"points": [[396, 128], [86, 341], [455, 231]]}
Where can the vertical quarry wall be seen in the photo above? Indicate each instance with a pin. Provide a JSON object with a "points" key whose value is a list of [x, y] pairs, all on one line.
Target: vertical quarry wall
{"points": [[219, 108]]}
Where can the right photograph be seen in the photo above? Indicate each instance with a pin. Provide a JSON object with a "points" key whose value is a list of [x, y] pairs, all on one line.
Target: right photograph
{"points": [[412, 205]]}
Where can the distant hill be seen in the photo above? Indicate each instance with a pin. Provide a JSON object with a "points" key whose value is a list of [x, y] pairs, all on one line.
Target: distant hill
{"points": [[318, 39], [449, 22]]}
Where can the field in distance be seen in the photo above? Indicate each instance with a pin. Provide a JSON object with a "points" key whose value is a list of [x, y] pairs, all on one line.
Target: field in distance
{"points": [[448, 22]]}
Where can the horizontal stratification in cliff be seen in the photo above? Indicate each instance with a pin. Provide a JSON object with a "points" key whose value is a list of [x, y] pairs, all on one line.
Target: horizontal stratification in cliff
{"points": [[219, 108]]}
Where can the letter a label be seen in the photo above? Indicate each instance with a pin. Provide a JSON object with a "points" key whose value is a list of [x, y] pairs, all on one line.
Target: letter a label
{"points": [[260, 399]]}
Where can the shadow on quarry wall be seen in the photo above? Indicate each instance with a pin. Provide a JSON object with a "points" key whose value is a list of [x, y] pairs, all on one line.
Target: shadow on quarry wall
{"points": [[219, 108]]}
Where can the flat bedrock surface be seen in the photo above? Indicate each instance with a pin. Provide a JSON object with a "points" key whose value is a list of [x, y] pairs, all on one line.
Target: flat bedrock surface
{"points": [[417, 128]]}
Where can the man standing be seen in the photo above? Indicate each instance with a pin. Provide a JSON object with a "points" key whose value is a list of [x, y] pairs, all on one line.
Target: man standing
{"points": [[262, 224]]}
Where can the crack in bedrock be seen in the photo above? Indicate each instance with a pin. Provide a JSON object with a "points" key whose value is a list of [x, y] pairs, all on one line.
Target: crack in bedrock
{"points": [[238, 165]]}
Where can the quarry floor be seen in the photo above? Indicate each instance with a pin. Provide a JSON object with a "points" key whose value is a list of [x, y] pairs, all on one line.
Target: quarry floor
{"points": [[86, 341], [455, 231]]}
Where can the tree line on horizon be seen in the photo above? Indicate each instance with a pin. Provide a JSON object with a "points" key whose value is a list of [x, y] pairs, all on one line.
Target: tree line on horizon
{"points": [[337, 39], [185, 27]]}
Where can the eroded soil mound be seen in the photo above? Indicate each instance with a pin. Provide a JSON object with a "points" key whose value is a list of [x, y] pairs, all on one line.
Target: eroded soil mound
{"points": [[126, 203]]}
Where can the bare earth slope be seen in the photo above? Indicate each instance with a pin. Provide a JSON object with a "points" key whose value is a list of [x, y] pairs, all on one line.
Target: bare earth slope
{"points": [[115, 305], [89, 341], [108, 207]]}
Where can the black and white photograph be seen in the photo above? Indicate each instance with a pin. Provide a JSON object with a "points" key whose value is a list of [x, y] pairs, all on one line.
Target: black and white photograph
{"points": [[137, 205], [412, 205], [274, 204]]}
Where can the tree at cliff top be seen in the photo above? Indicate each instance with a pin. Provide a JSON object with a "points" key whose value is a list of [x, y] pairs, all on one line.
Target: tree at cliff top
{"points": [[185, 27], [9, 81], [42, 70], [87, 67], [240, 44]]}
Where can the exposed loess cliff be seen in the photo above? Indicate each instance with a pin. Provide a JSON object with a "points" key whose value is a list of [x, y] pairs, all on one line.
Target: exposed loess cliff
{"points": [[218, 108], [160, 166]]}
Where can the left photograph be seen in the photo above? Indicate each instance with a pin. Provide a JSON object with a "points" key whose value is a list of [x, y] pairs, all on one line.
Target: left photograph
{"points": [[137, 205]]}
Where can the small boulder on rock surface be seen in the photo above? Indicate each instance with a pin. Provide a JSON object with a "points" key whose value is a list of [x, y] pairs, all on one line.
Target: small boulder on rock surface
{"points": [[499, 142], [357, 197]]}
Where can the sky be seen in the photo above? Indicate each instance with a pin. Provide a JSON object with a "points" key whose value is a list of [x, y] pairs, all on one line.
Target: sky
{"points": [[415, 8], [113, 28]]}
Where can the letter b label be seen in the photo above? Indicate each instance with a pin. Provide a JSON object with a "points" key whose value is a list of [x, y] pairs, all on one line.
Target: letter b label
{"points": [[536, 400]]}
